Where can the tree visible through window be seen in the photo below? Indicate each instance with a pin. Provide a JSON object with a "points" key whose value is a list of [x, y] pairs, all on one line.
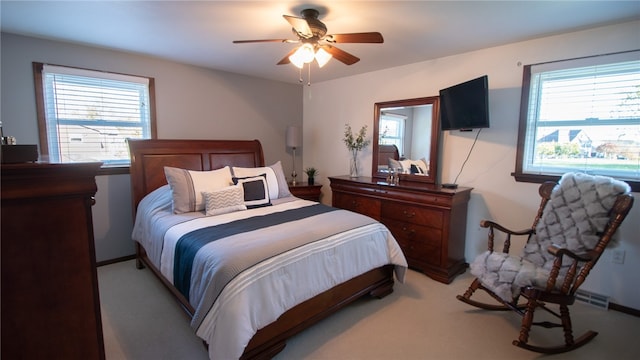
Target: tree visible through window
{"points": [[581, 115], [87, 115]]}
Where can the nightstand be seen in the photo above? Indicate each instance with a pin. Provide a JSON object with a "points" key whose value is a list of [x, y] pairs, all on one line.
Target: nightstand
{"points": [[306, 191]]}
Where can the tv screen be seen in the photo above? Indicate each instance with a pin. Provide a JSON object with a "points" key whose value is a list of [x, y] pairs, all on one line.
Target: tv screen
{"points": [[466, 105]]}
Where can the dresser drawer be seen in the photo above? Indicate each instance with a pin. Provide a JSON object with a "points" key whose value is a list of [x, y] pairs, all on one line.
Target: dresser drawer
{"points": [[417, 242], [428, 222], [413, 214], [360, 204]]}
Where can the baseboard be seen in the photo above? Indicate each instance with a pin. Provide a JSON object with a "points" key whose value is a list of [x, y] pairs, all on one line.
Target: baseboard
{"points": [[624, 309], [116, 260]]}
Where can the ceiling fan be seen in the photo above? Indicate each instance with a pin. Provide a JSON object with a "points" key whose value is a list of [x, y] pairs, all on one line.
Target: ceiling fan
{"points": [[316, 43]]}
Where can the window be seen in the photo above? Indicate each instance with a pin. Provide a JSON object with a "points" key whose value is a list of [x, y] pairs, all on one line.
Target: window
{"points": [[581, 115], [392, 130], [86, 115]]}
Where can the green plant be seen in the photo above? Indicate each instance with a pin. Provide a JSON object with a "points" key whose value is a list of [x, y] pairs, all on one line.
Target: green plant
{"points": [[355, 142], [311, 172]]}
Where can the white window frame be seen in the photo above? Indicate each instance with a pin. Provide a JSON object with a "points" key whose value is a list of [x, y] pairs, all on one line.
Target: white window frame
{"points": [[398, 139], [536, 120], [61, 129]]}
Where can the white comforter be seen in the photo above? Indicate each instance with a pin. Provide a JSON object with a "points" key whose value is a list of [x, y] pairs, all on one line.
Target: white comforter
{"points": [[260, 294]]}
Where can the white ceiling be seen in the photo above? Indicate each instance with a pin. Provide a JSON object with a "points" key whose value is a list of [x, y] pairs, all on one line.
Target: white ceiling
{"points": [[201, 32]]}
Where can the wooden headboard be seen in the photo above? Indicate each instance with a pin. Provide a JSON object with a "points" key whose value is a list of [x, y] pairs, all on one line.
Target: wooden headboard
{"points": [[385, 152], [149, 157]]}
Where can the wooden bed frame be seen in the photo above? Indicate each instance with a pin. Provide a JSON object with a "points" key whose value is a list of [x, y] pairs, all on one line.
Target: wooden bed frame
{"points": [[386, 152], [148, 159]]}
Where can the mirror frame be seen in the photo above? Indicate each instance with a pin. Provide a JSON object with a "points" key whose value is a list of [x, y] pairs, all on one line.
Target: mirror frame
{"points": [[435, 138]]}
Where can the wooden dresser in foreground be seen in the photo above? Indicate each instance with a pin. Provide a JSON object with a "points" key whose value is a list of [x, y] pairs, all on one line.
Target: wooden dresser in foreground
{"points": [[428, 222], [50, 302]]}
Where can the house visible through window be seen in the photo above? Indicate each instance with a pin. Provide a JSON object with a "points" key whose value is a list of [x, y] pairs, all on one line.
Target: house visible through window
{"points": [[581, 115], [87, 115]]}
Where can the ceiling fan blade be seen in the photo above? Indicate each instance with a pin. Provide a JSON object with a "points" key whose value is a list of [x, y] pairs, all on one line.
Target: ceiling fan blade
{"points": [[368, 37], [285, 60], [300, 25], [341, 55], [263, 41]]}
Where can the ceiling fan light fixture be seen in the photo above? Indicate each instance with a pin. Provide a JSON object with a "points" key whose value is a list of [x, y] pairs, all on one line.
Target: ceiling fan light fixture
{"points": [[303, 55], [322, 57], [296, 61]]}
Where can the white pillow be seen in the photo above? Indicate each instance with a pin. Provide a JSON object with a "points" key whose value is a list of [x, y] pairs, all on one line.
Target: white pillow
{"points": [[187, 186], [283, 187], [225, 200], [406, 166], [272, 180], [420, 164]]}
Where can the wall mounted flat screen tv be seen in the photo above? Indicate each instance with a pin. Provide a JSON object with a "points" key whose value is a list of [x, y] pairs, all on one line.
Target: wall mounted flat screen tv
{"points": [[465, 106]]}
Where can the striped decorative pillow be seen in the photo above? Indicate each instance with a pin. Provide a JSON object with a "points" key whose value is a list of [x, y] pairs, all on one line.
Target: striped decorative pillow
{"points": [[224, 201], [187, 186]]}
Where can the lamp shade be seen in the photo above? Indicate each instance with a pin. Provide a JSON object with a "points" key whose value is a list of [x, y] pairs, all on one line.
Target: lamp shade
{"points": [[322, 57], [293, 138]]}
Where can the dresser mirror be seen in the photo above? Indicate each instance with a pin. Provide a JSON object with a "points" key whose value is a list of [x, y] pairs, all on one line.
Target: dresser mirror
{"points": [[405, 137]]}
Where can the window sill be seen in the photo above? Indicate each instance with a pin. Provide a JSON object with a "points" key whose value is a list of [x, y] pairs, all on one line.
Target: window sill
{"points": [[539, 179], [113, 170]]}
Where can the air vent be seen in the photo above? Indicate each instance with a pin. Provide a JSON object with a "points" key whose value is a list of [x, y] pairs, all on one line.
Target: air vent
{"points": [[597, 300]]}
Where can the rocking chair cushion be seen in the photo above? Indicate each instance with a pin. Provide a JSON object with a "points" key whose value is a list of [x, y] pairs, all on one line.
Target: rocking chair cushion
{"points": [[506, 274], [576, 214]]}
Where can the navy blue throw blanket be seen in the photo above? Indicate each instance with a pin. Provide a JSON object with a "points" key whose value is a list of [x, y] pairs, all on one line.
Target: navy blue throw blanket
{"points": [[189, 244]]}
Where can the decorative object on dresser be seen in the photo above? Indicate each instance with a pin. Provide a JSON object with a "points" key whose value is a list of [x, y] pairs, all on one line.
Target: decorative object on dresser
{"points": [[355, 143], [50, 301], [294, 140], [428, 222], [306, 191], [14, 154]]}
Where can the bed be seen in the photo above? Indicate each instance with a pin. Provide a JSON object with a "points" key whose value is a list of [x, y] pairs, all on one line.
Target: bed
{"points": [[343, 265], [386, 152]]}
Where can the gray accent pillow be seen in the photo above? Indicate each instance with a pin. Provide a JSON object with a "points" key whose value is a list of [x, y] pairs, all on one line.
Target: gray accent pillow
{"points": [[283, 187], [394, 164], [187, 186]]}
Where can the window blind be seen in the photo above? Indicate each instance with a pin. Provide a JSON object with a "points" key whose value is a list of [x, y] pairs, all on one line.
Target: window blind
{"points": [[90, 114], [584, 115]]}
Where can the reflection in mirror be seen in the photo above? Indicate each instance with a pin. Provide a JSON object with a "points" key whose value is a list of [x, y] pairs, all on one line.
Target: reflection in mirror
{"points": [[407, 139]]}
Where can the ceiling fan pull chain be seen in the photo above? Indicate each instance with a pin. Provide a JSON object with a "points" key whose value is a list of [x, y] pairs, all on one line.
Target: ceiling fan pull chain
{"points": [[309, 76], [300, 70]]}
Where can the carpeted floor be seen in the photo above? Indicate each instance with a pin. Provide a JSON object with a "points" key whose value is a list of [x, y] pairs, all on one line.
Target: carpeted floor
{"points": [[420, 320]]}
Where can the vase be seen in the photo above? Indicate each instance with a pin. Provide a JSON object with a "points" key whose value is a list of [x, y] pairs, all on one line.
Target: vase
{"points": [[311, 181], [353, 164]]}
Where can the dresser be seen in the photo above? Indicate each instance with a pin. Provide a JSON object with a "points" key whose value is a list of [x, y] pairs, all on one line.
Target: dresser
{"points": [[50, 302], [428, 221]]}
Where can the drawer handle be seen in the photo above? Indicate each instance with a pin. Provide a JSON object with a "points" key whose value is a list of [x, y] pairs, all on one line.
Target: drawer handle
{"points": [[411, 232], [355, 203], [408, 215]]}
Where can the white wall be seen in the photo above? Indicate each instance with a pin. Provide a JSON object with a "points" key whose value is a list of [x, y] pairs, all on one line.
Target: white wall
{"points": [[191, 103], [496, 194]]}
